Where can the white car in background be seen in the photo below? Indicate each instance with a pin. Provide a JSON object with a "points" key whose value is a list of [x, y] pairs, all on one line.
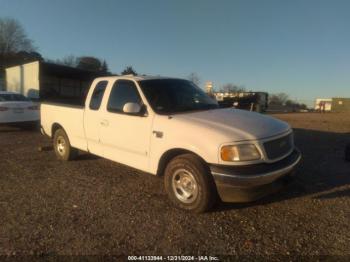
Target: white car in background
{"points": [[17, 109]]}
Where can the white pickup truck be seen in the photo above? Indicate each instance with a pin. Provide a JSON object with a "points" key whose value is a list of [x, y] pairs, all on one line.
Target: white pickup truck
{"points": [[170, 127]]}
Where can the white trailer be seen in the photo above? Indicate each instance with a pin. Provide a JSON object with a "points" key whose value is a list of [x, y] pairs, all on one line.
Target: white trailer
{"points": [[24, 79]]}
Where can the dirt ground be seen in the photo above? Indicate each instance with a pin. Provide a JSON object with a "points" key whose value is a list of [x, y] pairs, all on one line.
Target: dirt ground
{"points": [[93, 206]]}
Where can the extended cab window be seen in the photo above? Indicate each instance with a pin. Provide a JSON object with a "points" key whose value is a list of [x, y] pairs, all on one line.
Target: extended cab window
{"points": [[97, 95], [123, 92]]}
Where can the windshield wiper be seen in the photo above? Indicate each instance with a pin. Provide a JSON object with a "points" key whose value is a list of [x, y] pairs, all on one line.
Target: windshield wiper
{"points": [[198, 108]]}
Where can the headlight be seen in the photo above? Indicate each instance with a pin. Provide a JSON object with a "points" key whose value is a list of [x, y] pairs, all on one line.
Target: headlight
{"points": [[244, 152]]}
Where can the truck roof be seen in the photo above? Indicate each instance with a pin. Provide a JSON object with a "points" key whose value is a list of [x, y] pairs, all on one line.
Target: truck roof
{"points": [[136, 78]]}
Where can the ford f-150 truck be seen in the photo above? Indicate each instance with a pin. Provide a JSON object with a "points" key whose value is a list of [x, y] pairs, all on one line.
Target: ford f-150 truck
{"points": [[170, 127]]}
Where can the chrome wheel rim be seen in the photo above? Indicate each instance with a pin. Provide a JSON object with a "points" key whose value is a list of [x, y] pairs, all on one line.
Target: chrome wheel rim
{"points": [[61, 145], [185, 186]]}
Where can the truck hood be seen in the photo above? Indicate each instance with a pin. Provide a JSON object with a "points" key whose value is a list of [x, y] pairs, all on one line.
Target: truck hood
{"points": [[234, 124]]}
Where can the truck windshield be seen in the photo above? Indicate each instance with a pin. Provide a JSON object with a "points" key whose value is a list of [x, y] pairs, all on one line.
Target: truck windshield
{"points": [[167, 96]]}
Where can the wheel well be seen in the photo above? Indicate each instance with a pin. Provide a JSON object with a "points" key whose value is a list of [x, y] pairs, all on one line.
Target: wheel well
{"points": [[169, 155], [54, 128]]}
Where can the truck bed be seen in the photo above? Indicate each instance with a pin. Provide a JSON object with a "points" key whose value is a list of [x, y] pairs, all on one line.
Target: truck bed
{"points": [[69, 117]]}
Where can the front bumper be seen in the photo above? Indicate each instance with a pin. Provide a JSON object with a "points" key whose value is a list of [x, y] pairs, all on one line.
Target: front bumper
{"points": [[249, 183]]}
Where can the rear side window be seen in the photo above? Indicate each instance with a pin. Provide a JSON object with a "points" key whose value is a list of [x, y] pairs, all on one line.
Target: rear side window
{"points": [[97, 95], [123, 92]]}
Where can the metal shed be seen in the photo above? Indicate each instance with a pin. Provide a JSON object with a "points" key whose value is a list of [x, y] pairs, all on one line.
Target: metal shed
{"points": [[340, 104], [50, 82]]}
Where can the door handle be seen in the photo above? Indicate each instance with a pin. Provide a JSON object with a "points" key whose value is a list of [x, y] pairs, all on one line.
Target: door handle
{"points": [[158, 134], [104, 123]]}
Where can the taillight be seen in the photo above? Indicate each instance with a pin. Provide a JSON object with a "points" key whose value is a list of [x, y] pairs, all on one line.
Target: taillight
{"points": [[3, 108], [33, 107]]}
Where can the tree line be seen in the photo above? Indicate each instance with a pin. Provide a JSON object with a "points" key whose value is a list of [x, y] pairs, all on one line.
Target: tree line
{"points": [[278, 99], [282, 99]]}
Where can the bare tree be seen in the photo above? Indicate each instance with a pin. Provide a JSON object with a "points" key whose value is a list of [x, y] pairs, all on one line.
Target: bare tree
{"points": [[85, 62], [295, 105], [70, 60], [193, 77], [13, 38], [278, 99], [129, 70], [232, 88], [89, 63]]}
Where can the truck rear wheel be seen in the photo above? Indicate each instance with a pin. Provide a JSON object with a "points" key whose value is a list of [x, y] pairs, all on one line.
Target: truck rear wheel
{"points": [[189, 184], [64, 151]]}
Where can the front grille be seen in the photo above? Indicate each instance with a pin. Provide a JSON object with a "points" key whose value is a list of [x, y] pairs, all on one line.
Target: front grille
{"points": [[279, 147]]}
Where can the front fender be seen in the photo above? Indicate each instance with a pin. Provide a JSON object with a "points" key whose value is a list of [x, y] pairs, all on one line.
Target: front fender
{"points": [[158, 152]]}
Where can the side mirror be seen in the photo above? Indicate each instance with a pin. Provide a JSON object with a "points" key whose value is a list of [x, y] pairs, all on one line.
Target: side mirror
{"points": [[132, 108]]}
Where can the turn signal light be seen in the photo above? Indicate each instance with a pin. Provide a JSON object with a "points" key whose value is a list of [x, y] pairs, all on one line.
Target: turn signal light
{"points": [[242, 152]]}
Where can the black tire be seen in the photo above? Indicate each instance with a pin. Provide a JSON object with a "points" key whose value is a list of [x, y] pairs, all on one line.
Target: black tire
{"points": [[192, 169], [63, 150]]}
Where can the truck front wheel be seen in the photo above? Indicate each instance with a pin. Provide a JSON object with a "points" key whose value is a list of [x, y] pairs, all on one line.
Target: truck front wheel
{"points": [[64, 151], [189, 184]]}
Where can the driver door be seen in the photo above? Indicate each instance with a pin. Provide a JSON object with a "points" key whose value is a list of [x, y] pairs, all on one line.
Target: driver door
{"points": [[125, 137]]}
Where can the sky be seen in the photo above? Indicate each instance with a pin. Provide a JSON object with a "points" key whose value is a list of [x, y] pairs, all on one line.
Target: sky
{"points": [[299, 47]]}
